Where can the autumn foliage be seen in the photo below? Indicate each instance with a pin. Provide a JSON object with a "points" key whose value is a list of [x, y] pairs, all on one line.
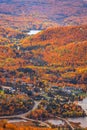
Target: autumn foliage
{"points": [[4, 125], [64, 49], [36, 14], [56, 55]]}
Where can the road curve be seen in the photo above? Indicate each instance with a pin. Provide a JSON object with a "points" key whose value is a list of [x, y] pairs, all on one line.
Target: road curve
{"points": [[23, 116]]}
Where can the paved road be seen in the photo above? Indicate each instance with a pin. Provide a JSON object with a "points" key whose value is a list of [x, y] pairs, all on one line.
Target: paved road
{"points": [[66, 121], [24, 114], [35, 107], [24, 117]]}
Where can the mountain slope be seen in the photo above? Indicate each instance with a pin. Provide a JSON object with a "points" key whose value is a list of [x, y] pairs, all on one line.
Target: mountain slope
{"points": [[57, 55], [42, 14], [64, 45], [63, 49], [58, 36], [9, 35]]}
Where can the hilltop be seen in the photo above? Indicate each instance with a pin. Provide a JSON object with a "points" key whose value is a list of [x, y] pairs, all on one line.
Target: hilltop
{"points": [[59, 43], [62, 49]]}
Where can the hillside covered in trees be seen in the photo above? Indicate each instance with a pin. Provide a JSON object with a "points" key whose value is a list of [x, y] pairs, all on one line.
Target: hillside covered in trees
{"points": [[9, 36], [63, 52], [43, 76], [57, 55], [42, 14]]}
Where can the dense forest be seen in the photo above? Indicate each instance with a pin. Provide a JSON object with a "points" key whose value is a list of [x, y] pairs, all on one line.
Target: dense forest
{"points": [[42, 76], [56, 55], [41, 14]]}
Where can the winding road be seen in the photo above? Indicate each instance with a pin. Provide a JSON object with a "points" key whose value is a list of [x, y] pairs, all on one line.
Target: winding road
{"points": [[24, 117]]}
